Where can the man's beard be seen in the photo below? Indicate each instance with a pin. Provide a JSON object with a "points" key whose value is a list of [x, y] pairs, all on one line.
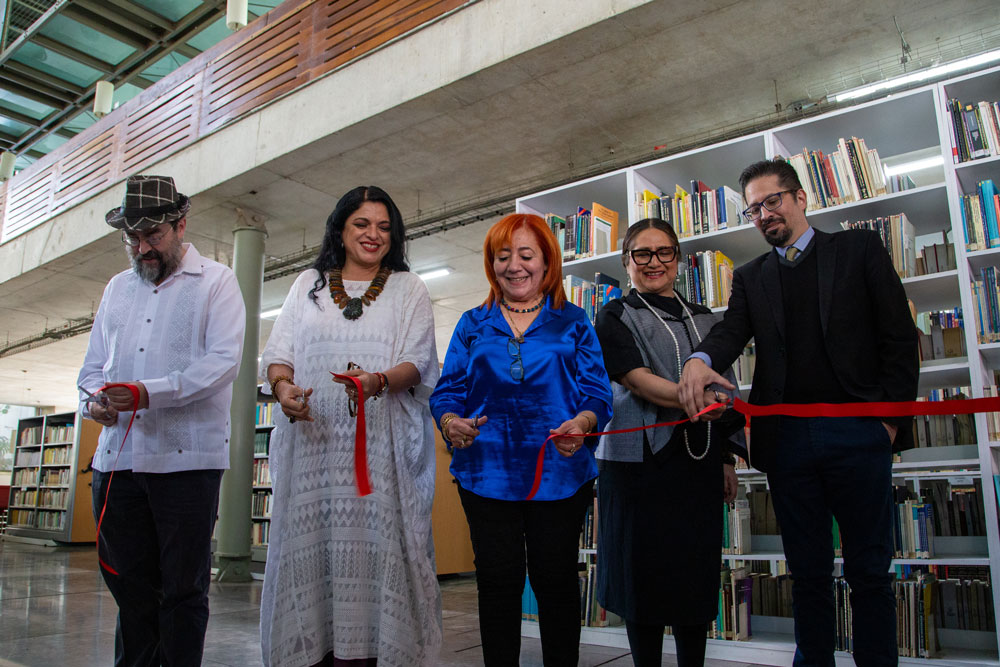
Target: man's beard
{"points": [[167, 262], [781, 237]]}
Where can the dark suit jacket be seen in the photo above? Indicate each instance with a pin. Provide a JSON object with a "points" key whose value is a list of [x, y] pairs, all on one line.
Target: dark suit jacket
{"points": [[868, 331]]}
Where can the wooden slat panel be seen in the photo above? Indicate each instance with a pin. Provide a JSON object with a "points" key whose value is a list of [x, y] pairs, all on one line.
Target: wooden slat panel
{"points": [[286, 49]]}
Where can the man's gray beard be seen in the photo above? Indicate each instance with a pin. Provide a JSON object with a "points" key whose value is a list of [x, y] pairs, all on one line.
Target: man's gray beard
{"points": [[154, 274]]}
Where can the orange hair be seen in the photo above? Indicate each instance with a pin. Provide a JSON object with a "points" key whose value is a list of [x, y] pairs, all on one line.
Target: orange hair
{"points": [[500, 236]]}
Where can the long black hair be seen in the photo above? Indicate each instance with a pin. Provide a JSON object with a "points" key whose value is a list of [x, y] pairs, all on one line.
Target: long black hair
{"points": [[332, 253]]}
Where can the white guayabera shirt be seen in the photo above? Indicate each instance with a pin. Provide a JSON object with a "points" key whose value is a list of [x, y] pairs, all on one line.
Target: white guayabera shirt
{"points": [[183, 339]]}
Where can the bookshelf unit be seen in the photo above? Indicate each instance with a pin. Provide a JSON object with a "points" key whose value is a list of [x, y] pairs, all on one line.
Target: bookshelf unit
{"points": [[50, 492], [902, 127], [260, 501]]}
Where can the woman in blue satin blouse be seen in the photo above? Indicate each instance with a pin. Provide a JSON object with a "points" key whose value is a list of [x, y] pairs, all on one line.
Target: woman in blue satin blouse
{"points": [[522, 366]]}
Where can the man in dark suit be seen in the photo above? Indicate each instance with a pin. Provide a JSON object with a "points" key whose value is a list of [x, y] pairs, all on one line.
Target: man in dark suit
{"points": [[831, 324]]}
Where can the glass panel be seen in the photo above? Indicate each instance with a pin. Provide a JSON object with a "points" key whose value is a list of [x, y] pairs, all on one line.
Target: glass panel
{"points": [[23, 105], [81, 121], [12, 127], [56, 64], [86, 39], [172, 10], [210, 36], [49, 143], [123, 94], [164, 66]]}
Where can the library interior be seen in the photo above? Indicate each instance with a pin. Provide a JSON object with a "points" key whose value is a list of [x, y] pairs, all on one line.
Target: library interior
{"points": [[592, 114]]}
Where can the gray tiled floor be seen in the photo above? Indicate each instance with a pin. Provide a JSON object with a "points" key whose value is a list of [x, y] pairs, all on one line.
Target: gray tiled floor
{"points": [[55, 610]]}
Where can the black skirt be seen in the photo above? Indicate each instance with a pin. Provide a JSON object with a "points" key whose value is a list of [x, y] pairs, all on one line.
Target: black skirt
{"points": [[660, 534]]}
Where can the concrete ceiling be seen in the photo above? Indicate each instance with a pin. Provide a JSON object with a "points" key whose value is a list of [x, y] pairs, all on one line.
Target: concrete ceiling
{"points": [[656, 75]]}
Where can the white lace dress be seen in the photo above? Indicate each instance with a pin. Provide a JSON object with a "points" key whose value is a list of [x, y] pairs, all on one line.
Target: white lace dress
{"points": [[353, 575]]}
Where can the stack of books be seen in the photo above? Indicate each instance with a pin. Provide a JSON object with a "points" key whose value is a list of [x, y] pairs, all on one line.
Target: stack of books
{"points": [[851, 173], [697, 210], [975, 130]]}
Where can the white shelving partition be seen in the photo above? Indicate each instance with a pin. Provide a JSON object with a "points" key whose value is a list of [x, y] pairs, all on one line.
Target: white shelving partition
{"points": [[901, 127]]}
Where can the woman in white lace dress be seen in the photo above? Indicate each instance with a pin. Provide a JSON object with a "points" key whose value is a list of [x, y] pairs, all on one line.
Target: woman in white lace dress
{"points": [[350, 580]]}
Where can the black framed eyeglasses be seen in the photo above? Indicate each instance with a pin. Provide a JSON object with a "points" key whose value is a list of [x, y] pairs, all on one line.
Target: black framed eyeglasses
{"points": [[133, 240], [516, 366], [642, 256], [770, 202]]}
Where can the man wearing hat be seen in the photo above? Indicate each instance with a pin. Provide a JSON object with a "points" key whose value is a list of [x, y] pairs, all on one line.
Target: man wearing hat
{"points": [[170, 331]]}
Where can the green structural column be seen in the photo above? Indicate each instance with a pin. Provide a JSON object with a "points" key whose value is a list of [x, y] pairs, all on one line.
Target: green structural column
{"points": [[232, 532]]}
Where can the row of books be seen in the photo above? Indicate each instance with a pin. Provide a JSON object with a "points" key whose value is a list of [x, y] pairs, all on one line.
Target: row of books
{"points": [[24, 477], [735, 603], [944, 430], [941, 334], [936, 257], [54, 498], [913, 529], [993, 418], [51, 520], [975, 129], [706, 279], [57, 455], [265, 414], [898, 237], [591, 296], [30, 436], [586, 233], [261, 472], [56, 477], [958, 506], [260, 504], [59, 433], [736, 529], [24, 497], [261, 443], [980, 214], [18, 517], [27, 458], [592, 614], [851, 173], [698, 210], [986, 297], [259, 533]]}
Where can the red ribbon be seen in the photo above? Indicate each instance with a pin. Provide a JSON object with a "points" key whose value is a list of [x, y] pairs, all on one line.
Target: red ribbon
{"points": [[360, 452], [875, 409], [107, 490]]}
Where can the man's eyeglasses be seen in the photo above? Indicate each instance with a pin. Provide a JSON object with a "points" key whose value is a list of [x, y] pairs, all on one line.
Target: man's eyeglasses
{"points": [[771, 203], [133, 240], [516, 366], [665, 254]]}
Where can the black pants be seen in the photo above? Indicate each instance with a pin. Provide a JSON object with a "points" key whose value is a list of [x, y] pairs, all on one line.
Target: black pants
{"points": [[548, 531], [157, 534], [646, 644]]}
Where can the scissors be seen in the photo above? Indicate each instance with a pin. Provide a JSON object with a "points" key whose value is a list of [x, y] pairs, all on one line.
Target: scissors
{"points": [[91, 398]]}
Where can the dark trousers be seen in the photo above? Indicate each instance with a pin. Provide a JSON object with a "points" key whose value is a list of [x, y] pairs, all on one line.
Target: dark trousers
{"points": [[837, 467], [548, 531], [157, 534], [646, 644]]}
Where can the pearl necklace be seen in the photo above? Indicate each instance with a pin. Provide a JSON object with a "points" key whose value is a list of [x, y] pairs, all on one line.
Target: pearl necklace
{"points": [[677, 351]]}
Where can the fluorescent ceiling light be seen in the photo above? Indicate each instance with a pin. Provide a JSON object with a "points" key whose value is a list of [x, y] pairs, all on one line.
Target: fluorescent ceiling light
{"points": [[270, 314], [434, 273], [916, 165], [922, 75]]}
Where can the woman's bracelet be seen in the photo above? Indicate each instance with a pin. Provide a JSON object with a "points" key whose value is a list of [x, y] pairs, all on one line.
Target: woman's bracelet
{"points": [[383, 385], [278, 380], [591, 426], [446, 419]]}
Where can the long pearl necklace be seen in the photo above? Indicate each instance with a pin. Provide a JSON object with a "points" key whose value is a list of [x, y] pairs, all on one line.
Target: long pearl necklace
{"points": [[677, 351]]}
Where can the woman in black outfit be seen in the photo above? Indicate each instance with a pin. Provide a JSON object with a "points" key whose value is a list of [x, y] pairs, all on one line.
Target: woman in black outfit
{"points": [[660, 491]]}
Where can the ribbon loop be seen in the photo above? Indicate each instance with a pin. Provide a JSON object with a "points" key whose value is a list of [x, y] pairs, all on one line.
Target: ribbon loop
{"points": [[134, 390], [360, 437]]}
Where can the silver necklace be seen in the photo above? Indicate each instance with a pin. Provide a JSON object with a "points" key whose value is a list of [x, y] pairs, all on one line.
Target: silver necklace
{"points": [[677, 351]]}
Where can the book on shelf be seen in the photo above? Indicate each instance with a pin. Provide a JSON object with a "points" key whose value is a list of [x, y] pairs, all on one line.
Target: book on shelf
{"points": [[736, 529], [591, 296], [261, 443], [898, 237], [735, 603], [941, 334], [980, 211], [586, 233], [975, 129], [24, 477], [954, 508], [31, 457], [851, 173], [30, 436], [944, 430], [604, 223], [261, 472], [259, 533], [706, 278], [265, 413], [699, 210], [260, 504], [59, 433]]}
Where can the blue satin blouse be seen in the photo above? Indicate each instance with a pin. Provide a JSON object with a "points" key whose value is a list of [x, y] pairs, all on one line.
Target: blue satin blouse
{"points": [[563, 375]]}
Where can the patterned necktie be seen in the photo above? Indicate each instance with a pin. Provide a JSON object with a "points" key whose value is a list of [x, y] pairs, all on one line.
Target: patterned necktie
{"points": [[791, 254]]}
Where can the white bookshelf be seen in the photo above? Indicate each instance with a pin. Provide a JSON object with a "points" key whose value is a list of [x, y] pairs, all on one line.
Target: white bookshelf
{"points": [[900, 127]]}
